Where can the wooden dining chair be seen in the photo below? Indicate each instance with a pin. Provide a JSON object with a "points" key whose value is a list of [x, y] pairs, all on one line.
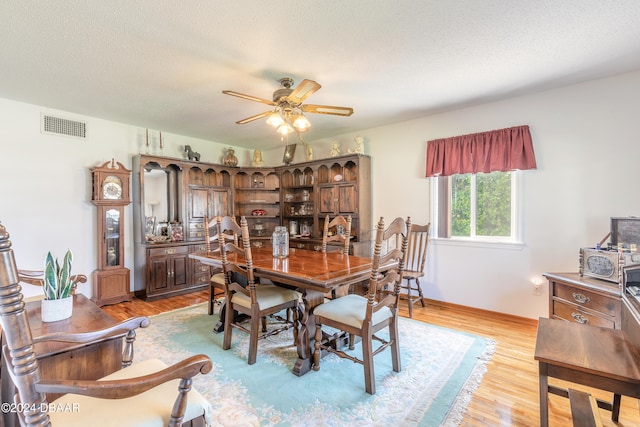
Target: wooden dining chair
{"points": [[255, 300], [365, 316], [330, 234], [216, 282], [147, 392], [415, 263]]}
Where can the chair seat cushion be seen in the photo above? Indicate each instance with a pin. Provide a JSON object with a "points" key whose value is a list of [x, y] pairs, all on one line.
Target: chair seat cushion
{"points": [[268, 296], [217, 279], [408, 274], [149, 409], [350, 310]]}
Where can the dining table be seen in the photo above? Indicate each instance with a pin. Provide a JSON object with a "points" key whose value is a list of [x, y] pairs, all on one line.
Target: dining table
{"points": [[313, 273]]}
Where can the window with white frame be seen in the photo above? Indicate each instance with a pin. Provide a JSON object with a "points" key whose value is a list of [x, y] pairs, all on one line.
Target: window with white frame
{"points": [[477, 207], [476, 188]]}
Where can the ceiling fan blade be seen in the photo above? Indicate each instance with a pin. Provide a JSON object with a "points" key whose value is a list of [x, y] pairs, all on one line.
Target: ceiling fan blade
{"points": [[327, 109], [252, 118], [305, 89], [249, 97]]}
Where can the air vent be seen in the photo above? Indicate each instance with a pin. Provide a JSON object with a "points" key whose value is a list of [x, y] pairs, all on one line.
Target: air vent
{"points": [[59, 126]]}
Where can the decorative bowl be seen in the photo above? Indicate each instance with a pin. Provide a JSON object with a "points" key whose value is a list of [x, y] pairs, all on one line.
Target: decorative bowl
{"points": [[258, 212], [158, 239], [337, 178]]}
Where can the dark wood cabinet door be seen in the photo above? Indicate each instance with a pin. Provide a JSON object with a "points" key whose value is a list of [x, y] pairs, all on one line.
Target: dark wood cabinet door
{"points": [[198, 203], [327, 198], [207, 202], [219, 203], [347, 199], [178, 274], [168, 269], [158, 280], [341, 199]]}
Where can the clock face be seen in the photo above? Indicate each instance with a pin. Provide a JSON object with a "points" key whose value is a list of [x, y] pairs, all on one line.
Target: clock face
{"points": [[112, 188]]}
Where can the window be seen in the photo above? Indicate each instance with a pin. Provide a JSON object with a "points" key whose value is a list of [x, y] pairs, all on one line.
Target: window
{"points": [[476, 184], [477, 207]]}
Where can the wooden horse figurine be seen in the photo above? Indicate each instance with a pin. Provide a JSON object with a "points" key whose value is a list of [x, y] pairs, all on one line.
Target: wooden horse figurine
{"points": [[192, 155]]}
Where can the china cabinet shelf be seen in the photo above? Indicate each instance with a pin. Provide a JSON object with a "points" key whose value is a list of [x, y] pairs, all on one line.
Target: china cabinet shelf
{"points": [[169, 190]]}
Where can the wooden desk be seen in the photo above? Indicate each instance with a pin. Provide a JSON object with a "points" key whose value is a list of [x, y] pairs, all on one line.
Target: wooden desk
{"points": [[59, 360], [313, 273], [598, 357]]}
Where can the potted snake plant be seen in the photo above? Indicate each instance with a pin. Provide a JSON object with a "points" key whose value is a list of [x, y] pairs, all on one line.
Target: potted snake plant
{"points": [[58, 286]]}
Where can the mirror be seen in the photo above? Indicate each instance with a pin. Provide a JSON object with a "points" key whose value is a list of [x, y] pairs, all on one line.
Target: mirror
{"points": [[160, 198], [155, 195]]}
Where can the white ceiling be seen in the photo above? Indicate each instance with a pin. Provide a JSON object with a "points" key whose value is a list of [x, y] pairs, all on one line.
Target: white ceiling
{"points": [[163, 64]]}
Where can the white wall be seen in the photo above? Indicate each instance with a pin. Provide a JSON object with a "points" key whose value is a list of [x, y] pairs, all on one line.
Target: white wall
{"points": [[586, 147], [45, 182]]}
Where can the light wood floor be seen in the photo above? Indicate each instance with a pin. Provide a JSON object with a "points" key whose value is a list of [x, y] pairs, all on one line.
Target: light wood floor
{"points": [[508, 394]]}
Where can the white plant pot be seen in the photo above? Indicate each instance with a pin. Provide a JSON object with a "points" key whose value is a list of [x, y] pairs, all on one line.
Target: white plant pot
{"points": [[56, 309]]}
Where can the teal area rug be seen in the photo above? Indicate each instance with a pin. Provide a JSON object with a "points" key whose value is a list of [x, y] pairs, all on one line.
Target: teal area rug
{"points": [[441, 369]]}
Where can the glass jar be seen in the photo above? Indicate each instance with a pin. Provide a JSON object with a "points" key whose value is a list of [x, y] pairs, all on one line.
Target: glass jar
{"points": [[176, 232], [280, 242], [293, 228]]}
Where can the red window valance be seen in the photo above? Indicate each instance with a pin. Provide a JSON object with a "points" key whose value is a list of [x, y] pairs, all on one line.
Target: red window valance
{"points": [[497, 150]]}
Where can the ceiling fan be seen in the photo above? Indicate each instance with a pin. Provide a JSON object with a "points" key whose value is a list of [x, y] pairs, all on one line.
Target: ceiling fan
{"points": [[288, 113]]}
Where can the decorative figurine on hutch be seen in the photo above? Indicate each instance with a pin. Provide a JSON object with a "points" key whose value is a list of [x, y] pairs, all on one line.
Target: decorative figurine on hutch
{"points": [[359, 145], [231, 159], [257, 158], [335, 149], [191, 155]]}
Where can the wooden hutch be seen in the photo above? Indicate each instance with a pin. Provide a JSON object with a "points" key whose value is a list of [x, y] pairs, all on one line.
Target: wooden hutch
{"points": [[172, 197]]}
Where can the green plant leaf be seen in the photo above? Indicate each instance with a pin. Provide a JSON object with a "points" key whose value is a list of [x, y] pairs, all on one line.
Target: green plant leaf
{"points": [[66, 284], [50, 287]]}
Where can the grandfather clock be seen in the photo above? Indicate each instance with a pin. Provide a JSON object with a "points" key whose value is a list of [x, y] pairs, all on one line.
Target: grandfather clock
{"points": [[111, 195]]}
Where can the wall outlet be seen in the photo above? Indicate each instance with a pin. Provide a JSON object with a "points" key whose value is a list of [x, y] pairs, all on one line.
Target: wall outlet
{"points": [[537, 289]]}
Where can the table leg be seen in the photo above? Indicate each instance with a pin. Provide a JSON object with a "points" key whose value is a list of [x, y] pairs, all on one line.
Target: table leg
{"points": [[615, 411], [544, 394], [306, 333]]}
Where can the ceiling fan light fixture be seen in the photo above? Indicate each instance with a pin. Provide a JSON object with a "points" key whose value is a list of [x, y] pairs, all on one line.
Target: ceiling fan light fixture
{"points": [[301, 123], [288, 114], [275, 119], [285, 129]]}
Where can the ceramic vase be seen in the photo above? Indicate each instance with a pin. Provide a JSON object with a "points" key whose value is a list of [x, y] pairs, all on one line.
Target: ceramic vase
{"points": [[56, 309]]}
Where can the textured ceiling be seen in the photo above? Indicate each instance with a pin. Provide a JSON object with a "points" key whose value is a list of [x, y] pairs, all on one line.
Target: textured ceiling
{"points": [[163, 64]]}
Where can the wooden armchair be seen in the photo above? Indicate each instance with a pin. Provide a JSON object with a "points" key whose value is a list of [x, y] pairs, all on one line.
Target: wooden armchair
{"points": [[365, 316], [148, 392]]}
